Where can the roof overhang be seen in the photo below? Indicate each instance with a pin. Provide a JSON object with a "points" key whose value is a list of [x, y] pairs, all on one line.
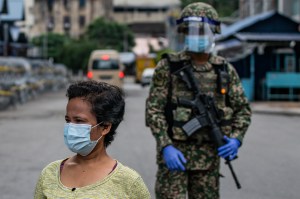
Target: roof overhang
{"points": [[231, 43], [260, 37], [247, 50]]}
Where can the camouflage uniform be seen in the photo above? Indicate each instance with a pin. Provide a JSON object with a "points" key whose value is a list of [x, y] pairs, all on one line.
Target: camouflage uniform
{"points": [[201, 178], [201, 154]]}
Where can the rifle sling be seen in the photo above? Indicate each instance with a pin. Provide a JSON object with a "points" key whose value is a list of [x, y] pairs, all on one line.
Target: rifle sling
{"points": [[192, 141], [174, 66], [222, 123]]}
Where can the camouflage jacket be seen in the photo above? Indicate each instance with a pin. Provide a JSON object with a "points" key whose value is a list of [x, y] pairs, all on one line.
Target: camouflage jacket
{"points": [[199, 155]]}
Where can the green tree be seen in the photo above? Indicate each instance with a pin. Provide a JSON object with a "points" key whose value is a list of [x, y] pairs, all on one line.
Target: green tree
{"points": [[54, 43], [75, 54], [225, 8], [110, 34]]}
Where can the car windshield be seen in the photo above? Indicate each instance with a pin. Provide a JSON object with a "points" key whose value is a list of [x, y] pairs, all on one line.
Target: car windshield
{"points": [[110, 64]]}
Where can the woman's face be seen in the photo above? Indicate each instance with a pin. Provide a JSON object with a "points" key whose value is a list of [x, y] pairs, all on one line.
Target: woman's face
{"points": [[78, 111]]}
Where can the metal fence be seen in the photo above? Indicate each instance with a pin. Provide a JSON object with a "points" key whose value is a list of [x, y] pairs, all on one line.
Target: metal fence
{"points": [[23, 79]]}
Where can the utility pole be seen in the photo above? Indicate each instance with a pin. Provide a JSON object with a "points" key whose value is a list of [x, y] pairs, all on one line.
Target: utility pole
{"points": [[5, 39], [4, 10], [45, 38], [125, 39]]}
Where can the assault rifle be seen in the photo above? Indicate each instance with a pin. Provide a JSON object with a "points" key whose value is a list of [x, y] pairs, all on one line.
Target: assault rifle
{"points": [[207, 115]]}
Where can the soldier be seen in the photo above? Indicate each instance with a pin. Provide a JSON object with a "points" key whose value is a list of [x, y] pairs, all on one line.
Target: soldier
{"points": [[189, 165]]}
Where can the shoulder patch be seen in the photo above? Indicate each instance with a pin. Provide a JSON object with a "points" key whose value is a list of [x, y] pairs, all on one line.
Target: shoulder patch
{"points": [[217, 60]]}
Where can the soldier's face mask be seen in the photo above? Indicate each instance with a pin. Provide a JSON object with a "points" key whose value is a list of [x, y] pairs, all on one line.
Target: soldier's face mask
{"points": [[196, 36], [197, 44]]}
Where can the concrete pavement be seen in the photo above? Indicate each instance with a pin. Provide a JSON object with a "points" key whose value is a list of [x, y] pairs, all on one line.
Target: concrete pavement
{"points": [[276, 107]]}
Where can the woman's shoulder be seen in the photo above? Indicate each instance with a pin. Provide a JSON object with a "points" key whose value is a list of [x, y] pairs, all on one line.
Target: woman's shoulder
{"points": [[129, 180], [53, 164], [125, 175], [51, 168], [127, 172]]}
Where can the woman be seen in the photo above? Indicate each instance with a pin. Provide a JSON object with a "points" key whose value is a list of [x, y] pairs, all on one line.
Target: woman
{"points": [[93, 113]]}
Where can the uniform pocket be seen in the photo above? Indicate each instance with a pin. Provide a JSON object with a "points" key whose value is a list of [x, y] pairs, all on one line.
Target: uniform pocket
{"points": [[180, 115], [227, 117]]}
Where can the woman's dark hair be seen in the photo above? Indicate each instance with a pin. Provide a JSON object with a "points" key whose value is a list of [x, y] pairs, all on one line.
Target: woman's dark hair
{"points": [[107, 103]]}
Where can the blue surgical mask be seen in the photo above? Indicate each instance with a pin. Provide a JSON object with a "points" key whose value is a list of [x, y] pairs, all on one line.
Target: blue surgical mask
{"points": [[77, 138], [196, 43]]}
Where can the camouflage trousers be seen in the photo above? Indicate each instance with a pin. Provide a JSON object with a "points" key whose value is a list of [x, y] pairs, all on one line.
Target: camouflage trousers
{"points": [[196, 184]]}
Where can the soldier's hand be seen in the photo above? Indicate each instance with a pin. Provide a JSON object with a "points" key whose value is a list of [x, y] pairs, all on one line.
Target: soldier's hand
{"points": [[230, 149], [174, 159]]}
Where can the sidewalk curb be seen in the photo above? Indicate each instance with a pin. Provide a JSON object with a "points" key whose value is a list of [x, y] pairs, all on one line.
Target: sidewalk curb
{"points": [[286, 108], [276, 112]]}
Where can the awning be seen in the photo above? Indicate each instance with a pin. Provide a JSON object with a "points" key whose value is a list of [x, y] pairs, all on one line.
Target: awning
{"points": [[242, 54], [268, 36], [231, 43]]}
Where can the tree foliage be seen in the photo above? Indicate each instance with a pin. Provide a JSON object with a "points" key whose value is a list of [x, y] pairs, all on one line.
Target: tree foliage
{"points": [[110, 34], [74, 53], [54, 43]]}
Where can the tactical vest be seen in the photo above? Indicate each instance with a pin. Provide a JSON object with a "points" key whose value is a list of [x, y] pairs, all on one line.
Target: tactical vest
{"points": [[213, 81]]}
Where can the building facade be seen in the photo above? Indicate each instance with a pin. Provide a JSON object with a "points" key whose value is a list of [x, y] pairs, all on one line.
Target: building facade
{"points": [[144, 17], [148, 20], [264, 49], [290, 8], [67, 16], [28, 22]]}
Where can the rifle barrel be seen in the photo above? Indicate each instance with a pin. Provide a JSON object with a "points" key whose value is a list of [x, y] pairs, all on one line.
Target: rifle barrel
{"points": [[238, 185]]}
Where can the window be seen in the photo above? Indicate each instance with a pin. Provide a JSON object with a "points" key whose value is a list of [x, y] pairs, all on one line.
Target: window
{"points": [[50, 24], [67, 23], [105, 64], [82, 3], [66, 4], [81, 21], [50, 5], [289, 63]]}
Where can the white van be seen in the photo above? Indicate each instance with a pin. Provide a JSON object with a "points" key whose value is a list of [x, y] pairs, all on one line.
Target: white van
{"points": [[105, 66]]}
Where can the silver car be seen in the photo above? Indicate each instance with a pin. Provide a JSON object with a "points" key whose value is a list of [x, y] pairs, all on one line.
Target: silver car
{"points": [[147, 76]]}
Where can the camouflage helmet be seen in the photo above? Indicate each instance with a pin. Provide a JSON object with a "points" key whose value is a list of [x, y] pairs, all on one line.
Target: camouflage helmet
{"points": [[199, 9]]}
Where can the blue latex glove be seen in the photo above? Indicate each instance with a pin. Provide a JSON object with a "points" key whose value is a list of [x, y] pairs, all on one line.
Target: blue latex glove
{"points": [[174, 158], [230, 149]]}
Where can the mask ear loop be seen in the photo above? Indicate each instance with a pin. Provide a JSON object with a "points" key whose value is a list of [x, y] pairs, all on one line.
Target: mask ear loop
{"points": [[101, 135], [97, 124], [99, 138]]}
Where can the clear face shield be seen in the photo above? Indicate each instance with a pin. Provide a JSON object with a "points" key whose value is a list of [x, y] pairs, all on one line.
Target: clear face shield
{"points": [[195, 36]]}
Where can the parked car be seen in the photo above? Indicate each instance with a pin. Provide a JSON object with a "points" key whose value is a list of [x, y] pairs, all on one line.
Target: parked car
{"points": [[147, 76]]}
